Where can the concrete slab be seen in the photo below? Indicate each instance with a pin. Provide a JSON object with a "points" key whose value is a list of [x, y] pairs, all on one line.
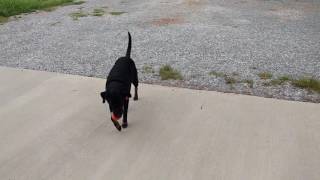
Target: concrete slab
{"points": [[54, 126]]}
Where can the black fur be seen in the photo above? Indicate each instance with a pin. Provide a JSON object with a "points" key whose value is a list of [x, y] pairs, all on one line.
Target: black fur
{"points": [[118, 86]]}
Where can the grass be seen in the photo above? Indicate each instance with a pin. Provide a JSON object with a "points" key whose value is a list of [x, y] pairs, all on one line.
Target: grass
{"points": [[117, 13], [280, 80], [230, 80], [14, 7], [77, 2], [147, 69], [98, 12], [76, 15], [217, 74], [167, 72], [307, 83], [265, 75], [3, 19], [249, 82]]}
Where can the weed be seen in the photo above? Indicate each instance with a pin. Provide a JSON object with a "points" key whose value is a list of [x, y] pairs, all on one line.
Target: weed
{"points": [[167, 72], [98, 12], [77, 2], [280, 80], [265, 75], [217, 74], [230, 80], [249, 82], [76, 15], [147, 69], [117, 13], [307, 83]]}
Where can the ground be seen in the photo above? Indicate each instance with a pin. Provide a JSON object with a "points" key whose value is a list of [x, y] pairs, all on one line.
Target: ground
{"points": [[54, 126], [238, 39]]}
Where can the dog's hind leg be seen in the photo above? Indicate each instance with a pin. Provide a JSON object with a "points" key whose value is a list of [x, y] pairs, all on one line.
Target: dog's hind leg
{"points": [[125, 113], [135, 80]]}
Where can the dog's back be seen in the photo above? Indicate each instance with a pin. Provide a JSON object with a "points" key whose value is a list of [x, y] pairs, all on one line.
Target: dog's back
{"points": [[123, 71]]}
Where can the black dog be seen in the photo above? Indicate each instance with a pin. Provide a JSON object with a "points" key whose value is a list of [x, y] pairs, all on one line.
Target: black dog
{"points": [[118, 86]]}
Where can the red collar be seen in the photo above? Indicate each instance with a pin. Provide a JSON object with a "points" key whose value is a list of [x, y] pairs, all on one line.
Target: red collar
{"points": [[114, 117]]}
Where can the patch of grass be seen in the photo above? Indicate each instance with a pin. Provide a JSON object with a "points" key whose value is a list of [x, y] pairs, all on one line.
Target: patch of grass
{"points": [[147, 69], [3, 19], [307, 83], [230, 80], [98, 12], [275, 82], [117, 13], [249, 82], [217, 74], [76, 15], [167, 72], [77, 2], [15, 7], [265, 75], [284, 78], [280, 80]]}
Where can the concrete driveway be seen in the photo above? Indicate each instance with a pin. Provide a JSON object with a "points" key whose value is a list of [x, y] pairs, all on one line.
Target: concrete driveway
{"points": [[54, 126]]}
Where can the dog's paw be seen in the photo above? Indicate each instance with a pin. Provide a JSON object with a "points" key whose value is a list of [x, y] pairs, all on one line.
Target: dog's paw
{"points": [[135, 98], [124, 125], [116, 124]]}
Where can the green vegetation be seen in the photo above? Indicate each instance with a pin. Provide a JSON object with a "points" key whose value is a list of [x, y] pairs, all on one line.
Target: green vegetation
{"points": [[15, 7], [77, 2], [76, 15], [307, 83], [117, 13], [167, 72], [230, 80], [147, 69], [249, 82], [217, 74], [98, 12], [265, 75], [280, 80]]}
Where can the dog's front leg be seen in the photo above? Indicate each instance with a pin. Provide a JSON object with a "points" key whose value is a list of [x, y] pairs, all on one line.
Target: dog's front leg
{"points": [[135, 93], [125, 113]]}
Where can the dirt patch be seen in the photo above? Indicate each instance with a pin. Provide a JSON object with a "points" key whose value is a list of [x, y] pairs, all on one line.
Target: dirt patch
{"points": [[194, 2], [167, 21]]}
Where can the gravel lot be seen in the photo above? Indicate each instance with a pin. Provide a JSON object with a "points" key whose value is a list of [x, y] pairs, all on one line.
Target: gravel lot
{"points": [[238, 38]]}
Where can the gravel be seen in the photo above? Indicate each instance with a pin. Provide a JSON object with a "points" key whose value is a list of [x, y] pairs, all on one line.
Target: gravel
{"points": [[237, 38]]}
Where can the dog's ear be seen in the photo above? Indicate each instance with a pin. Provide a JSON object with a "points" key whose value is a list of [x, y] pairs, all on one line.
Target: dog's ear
{"points": [[103, 96]]}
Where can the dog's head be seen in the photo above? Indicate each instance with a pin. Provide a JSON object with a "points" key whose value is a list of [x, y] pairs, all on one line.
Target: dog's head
{"points": [[115, 101]]}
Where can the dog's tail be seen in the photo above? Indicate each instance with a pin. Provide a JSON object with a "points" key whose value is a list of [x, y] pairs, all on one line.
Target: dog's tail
{"points": [[129, 46]]}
